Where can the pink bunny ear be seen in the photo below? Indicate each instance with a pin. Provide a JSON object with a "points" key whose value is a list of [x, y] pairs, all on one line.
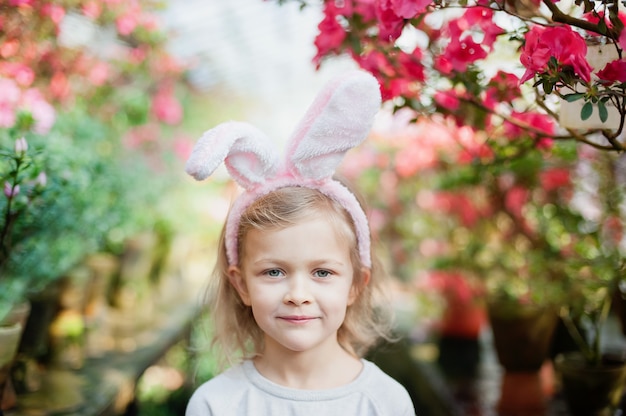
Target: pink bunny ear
{"points": [[338, 120], [247, 153]]}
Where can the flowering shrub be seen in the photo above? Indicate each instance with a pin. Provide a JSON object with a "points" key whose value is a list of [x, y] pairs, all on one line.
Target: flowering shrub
{"points": [[544, 228], [459, 58], [77, 79], [523, 83]]}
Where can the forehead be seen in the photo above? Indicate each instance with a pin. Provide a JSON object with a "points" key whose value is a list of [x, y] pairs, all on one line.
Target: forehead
{"points": [[313, 236]]}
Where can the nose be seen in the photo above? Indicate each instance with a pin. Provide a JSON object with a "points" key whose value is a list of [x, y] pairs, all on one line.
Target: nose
{"points": [[298, 291]]}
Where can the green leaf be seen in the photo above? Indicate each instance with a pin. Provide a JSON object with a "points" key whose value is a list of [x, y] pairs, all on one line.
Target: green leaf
{"points": [[586, 111], [604, 113], [570, 98], [547, 87]]}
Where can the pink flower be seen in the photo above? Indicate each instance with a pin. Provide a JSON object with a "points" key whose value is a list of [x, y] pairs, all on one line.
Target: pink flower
{"points": [[560, 42], [614, 71], [414, 158], [99, 73], [92, 9], [352, 167], [10, 191], [166, 107], [140, 135], [471, 146], [21, 146], [126, 23], [41, 110], [537, 121], [55, 12], [7, 115], [41, 179], [10, 91], [9, 48], [183, 147], [59, 85], [8, 101], [447, 100], [21, 73]]}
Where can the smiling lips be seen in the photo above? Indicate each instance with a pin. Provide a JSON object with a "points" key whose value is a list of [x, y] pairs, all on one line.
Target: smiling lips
{"points": [[297, 319]]}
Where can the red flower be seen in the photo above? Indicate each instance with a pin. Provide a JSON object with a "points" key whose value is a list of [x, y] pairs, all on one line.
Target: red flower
{"points": [[389, 24], [503, 87], [554, 179], [537, 121], [411, 65], [330, 36], [515, 199], [614, 71], [481, 19], [560, 42], [462, 52], [407, 9], [447, 99]]}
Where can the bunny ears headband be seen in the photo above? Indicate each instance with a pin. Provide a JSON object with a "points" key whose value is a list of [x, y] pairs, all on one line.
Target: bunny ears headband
{"points": [[338, 120]]}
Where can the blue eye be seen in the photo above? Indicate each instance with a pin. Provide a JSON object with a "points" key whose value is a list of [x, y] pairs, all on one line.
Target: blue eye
{"points": [[274, 273], [322, 273]]}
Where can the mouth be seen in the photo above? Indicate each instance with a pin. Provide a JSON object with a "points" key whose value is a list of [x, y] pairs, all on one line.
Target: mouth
{"points": [[297, 319]]}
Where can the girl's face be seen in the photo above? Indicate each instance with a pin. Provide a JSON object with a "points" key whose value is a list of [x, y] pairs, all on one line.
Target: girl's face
{"points": [[298, 282]]}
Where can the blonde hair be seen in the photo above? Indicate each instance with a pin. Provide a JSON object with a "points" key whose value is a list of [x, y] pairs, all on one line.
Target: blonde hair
{"points": [[236, 333]]}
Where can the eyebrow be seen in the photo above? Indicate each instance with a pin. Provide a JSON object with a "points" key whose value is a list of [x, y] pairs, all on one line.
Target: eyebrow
{"points": [[314, 263]]}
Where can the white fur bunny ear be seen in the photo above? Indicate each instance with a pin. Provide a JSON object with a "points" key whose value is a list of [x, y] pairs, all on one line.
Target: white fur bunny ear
{"points": [[338, 120], [247, 153]]}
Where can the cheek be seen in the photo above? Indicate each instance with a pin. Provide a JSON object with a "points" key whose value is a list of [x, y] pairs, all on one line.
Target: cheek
{"points": [[340, 298]]}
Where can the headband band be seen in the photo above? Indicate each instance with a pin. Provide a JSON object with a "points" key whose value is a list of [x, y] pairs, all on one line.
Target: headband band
{"points": [[338, 120]]}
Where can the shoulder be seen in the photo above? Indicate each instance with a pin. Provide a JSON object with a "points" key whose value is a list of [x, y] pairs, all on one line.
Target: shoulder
{"points": [[387, 393], [212, 396]]}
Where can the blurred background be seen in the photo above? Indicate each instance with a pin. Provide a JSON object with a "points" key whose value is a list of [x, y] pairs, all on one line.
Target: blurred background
{"points": [[486, 204]]}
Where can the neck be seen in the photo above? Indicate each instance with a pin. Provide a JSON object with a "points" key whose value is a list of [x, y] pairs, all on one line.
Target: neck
{"points": [[309, 370]]}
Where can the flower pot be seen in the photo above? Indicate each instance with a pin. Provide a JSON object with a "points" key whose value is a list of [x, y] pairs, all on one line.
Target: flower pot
{"points": [[9, 341], [522, 393], [11, 330], [35, 342], [522, 334], [591, 390]]}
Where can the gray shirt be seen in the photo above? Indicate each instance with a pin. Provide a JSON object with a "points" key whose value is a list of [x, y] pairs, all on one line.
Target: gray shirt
{"points": [[243, 391]]}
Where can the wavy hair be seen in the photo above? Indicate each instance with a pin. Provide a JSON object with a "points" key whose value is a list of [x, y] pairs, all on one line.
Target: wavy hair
{"points": [[235, 332]]}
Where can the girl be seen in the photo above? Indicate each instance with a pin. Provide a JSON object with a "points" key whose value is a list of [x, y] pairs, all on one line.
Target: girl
{"points": [[296, 284]]}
